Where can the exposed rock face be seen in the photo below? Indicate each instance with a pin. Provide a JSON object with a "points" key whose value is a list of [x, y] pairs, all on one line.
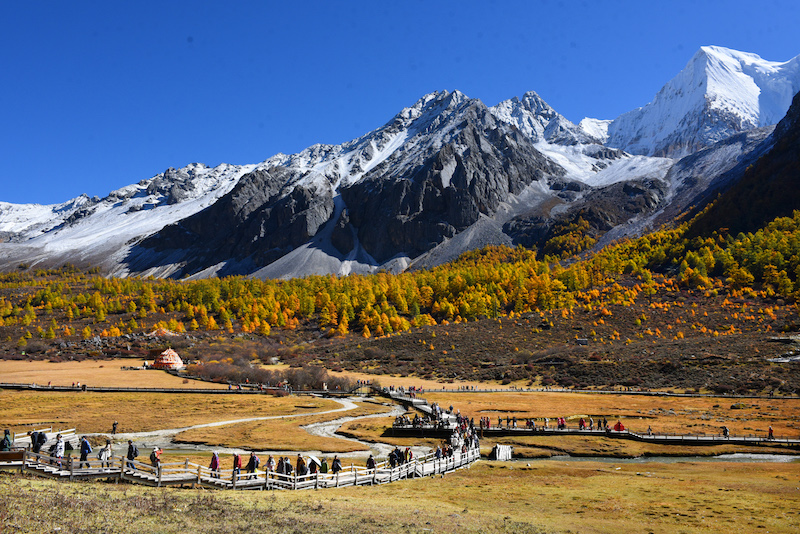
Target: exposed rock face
{"points": [[603, 209], [481, 164], [535, 118], [258, 220]]}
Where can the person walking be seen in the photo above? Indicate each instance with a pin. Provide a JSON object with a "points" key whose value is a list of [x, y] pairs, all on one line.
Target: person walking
{"points": [[252, 464], [323, 468], [105, 455], [237, 464], [214, 466], [133, 452], [114, 428], [300, 465], [86, 448], [5, 444], [58, 450], [336, 466]]}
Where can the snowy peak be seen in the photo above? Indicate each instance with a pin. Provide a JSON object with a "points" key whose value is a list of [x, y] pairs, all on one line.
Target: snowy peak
{"points": [[720, 92], [536, 119]]}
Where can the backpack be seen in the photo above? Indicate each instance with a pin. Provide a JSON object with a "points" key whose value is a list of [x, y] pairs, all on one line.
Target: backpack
{"points": [[135, 451], [153, 457], [42, 439]]}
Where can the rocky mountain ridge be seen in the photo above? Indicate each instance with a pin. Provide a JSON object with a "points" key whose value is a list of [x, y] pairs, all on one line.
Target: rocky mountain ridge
{"points": [[444, 175]]}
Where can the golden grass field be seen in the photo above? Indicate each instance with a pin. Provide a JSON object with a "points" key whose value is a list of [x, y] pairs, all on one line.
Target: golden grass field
{"points": [[534, 495], [94, 373], [90, 412], [490, 497], [281, 434]]}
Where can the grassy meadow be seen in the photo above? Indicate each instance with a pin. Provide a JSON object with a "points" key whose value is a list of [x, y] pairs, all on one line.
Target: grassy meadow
{"points": [[493, 497], [536, 495]]}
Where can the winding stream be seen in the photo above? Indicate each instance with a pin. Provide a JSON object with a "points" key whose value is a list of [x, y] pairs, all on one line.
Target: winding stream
{"points": [[165, 438]]}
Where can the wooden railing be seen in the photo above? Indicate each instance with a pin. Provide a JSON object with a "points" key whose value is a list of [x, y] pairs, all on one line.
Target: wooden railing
{"points": [[191, 474]]}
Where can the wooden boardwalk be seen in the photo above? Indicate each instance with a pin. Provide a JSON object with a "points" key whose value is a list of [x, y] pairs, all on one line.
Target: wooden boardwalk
{"points": [[444, 431], [654, 437], [188, 474]]}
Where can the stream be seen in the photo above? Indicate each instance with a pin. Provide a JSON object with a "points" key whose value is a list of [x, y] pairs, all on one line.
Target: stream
{"points": [[165, 438]]}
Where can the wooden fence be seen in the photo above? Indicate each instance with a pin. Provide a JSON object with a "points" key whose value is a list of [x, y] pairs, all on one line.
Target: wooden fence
{"points": [[189, 474]]}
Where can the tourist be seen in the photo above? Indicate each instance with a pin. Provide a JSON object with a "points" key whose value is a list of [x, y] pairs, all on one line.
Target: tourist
{"points": [[281, 466], [252, 464], [114, 428], [287, 466], [133, 452], [237, 465], [300, 465], [86, 448], [155, 457], [725, 431], [105, 455], [214, 465], [323, 468], [58, 449], [336, 466], [770, 435], [370, 462], [5, 444], [270, 466]]}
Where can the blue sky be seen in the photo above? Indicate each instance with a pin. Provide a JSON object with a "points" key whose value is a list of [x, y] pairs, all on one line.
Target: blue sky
{"points": [[98, 95]]}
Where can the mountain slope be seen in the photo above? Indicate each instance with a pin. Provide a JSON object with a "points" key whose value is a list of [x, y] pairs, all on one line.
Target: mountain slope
{"points": [[398, 191], [770, 187], [720, 92]]}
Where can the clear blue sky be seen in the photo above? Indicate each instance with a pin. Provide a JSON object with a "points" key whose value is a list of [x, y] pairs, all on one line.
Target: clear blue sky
{"points": [[98, 95]]}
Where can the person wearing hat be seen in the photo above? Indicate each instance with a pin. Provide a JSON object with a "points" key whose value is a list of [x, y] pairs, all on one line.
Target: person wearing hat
{"points": [[155, 457], [86, 448]]}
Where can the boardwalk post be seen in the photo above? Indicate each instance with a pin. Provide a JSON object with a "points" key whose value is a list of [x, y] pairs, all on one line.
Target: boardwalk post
{"points": [[159, 475], [198, 474], [71, 467], [316, 480]]}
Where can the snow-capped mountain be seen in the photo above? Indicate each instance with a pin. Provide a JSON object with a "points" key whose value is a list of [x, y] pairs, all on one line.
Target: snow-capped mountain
{"points": [[720, 92], [94, 231], [443, 176]]}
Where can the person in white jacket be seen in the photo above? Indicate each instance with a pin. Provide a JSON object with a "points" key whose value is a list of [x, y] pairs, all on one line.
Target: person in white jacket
{"points": [[59, 452], [105, 455]]}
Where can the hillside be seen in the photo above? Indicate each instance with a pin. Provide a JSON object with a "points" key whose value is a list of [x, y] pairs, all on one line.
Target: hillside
{"points": [[662, 311]]}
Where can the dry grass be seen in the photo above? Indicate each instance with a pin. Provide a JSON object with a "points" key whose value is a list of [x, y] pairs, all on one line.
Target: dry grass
{"points": [[140, 412], [490, 497], [683, 415], [93, 373], [281, 434]]}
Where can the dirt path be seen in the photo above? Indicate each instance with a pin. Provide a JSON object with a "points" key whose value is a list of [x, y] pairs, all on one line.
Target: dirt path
{"points": [[164, 438]]}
